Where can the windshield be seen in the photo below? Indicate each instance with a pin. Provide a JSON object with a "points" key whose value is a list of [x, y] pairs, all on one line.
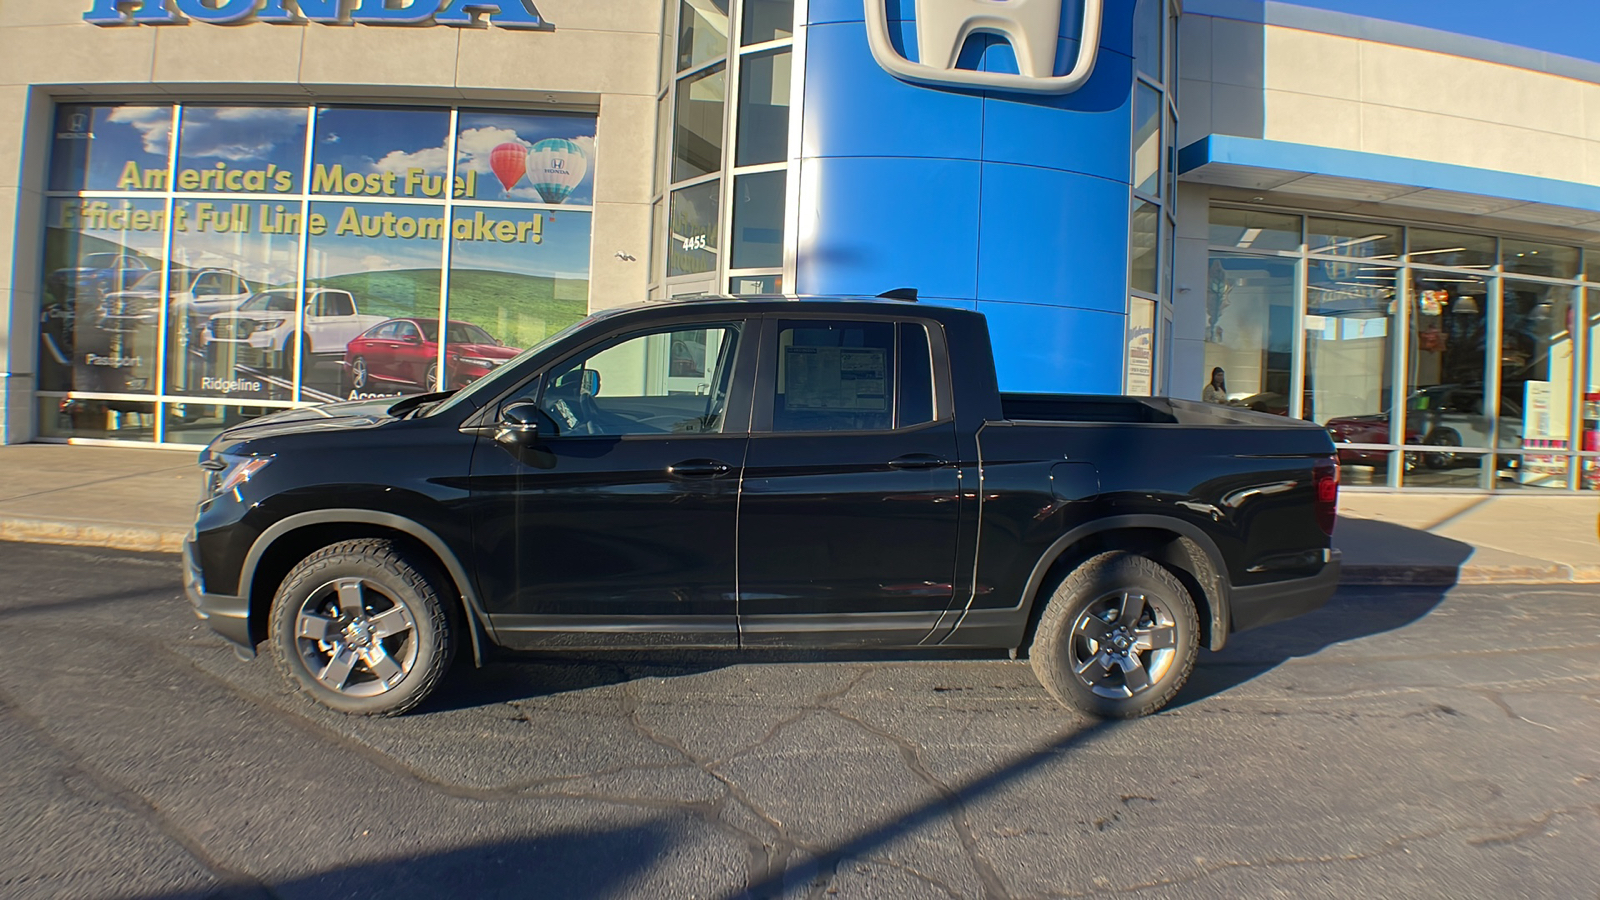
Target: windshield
{"points": [[151, 281], [269, 301], [490, 384], [457, 333]]}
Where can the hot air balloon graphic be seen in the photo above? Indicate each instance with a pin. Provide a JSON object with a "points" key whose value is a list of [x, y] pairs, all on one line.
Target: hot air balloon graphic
{"points": [[556, 166], [509, 162]]}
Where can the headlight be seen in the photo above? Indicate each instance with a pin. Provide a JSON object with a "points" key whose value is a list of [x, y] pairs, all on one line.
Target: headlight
{"points": [[227, 472], [481, 361]]}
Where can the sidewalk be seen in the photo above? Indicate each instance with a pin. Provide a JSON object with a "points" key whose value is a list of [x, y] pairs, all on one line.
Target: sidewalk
{"points": [[144, 500]]}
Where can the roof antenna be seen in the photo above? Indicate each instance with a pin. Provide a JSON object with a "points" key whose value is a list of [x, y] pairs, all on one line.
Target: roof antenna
{"points": [[908, 294]]}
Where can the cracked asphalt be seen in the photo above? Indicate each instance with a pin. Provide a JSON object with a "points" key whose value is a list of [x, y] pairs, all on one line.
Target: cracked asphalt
{"points": [[1398, 743]]}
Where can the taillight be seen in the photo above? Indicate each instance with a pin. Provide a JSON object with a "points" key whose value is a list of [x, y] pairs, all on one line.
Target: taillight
{"points": [[1325, 477]]}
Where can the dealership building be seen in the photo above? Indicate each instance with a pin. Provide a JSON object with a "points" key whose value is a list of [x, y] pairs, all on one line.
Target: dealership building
{"points": [[217, 208]]}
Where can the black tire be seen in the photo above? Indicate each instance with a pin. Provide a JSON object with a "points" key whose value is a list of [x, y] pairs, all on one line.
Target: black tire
{"points": [[312, 628], [1442, 437], [1160, 638]]}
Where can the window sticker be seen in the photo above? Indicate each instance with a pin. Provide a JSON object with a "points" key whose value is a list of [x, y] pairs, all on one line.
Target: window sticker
{"points": [[836, 378]]}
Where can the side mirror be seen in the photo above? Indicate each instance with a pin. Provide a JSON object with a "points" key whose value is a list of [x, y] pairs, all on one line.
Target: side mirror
{"points": [[411, 338], [521, 424]]}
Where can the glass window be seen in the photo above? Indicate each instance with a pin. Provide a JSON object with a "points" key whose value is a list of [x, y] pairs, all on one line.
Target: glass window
{"points": [[1549, 260], [111, 148], [102, 301], [221, 257], [1362, 240], [758, 220], [763, 108], [766, 20], [1448, 248], [1349, 326], [1143, 261], [119, 420], [1589, 384], [916, 376], [198, 423], [1170, 156], [535, 158], [1449, 332], [1248, 229], [386, 257], [241, 149], [384, 152], [1147, 21], [1138, 377], [517, 276], [755, 284], [1147, 140], [663, 382], [1249, 332], [692, 241], [834, 376], [702, 31], [697, 124], [1537, 353]]}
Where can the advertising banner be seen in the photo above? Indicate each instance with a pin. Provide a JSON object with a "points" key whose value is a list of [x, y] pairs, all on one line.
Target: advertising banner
{"points": [[239, 267]]}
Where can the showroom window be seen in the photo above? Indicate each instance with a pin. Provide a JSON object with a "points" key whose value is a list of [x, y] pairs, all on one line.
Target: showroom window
{"points": [[1436, 358], [207, 264], [722, 136], [1151, 217]]}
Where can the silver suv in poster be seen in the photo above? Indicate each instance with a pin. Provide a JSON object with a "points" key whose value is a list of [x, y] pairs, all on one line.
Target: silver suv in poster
{"points": [[195, 295]]}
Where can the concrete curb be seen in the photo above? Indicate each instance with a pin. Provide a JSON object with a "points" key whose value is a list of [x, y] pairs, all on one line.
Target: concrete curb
{"points": [[115, 536]]}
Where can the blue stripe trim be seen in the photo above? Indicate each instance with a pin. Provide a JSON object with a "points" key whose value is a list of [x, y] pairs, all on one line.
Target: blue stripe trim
{"points": [[1401, 34], [1305, 158]]}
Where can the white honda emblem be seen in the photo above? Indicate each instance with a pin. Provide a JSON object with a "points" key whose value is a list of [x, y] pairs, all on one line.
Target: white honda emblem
{"points": [[1029, 26]]}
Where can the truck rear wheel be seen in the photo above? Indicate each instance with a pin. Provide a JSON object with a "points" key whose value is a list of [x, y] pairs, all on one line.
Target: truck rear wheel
{"points": [[1118, 637], [361, 629]]}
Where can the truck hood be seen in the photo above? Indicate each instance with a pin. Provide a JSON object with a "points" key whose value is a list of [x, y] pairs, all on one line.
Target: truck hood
{"points": [[329, 417]]}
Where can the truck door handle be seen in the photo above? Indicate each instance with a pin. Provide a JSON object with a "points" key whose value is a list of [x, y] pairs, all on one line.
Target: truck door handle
{"points": [[918, 461], [699, 468]]}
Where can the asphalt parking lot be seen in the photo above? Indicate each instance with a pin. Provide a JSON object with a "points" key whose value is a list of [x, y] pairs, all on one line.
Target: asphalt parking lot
{"points": [[1397, 743]]}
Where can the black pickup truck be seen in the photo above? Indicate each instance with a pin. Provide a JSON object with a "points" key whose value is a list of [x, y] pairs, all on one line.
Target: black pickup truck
{"points": [[760, 473]]}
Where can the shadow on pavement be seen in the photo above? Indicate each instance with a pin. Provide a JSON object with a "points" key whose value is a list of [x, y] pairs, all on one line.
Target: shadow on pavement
{"points": [[1354, 612], [572, 866]]}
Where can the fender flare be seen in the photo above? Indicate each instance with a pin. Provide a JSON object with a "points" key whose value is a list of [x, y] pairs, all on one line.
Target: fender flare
{"points": [[1221, 614], [478, 622]]}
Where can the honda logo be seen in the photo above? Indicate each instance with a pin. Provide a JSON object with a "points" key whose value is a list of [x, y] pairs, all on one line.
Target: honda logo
{"points": [[1031, 27]]}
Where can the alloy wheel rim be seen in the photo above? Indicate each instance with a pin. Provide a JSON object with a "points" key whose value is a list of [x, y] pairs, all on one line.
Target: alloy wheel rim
{"points": [[358, 372], [355, 638], [1123, 643]]}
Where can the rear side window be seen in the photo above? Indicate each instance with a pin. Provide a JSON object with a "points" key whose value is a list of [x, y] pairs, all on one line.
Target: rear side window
{"points": [[835, 376], [916, 376], [338, 304]]}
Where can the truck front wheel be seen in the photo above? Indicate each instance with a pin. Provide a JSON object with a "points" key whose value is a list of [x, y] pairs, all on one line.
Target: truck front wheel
{"points": [[361, 629], [1118, 637]]}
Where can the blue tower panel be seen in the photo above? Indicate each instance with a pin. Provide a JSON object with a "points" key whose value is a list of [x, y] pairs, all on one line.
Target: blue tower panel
{"points": [[1045, 349], [1053, 238], [854, 108], [869, 225], [1088, 131]]}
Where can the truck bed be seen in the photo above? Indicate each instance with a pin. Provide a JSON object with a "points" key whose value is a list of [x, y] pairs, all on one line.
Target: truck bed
{"points": [[1089, 408]]}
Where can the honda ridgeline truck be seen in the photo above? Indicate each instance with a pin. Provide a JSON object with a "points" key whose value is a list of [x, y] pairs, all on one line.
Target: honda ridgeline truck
{"points": [[826, 475]]}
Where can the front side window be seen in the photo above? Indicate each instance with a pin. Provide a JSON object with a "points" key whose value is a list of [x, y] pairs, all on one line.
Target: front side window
{"points": [[672, 381]]}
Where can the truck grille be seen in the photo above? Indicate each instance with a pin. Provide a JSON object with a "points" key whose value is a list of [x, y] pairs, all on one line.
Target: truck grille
{"points": [[230, 328]]}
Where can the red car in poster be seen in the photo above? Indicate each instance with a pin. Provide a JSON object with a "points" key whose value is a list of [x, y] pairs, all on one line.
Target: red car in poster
{"points": [[403, 354]]}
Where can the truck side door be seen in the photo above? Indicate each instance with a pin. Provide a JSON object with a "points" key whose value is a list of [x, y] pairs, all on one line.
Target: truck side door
{"points": [[619, 528], [849, 513]]}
